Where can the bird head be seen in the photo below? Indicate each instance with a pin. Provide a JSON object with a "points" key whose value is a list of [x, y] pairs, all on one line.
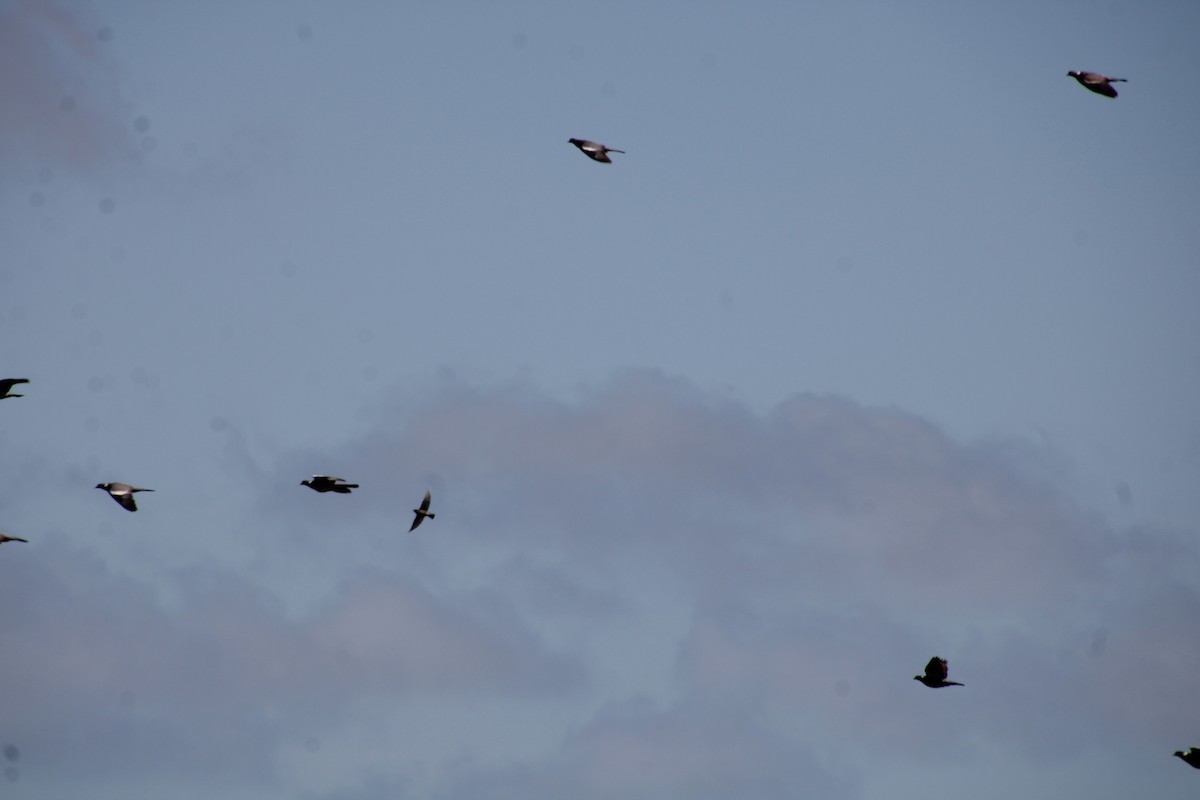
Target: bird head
{"points": [[918, 677], [101, 486], [1074, 73]]}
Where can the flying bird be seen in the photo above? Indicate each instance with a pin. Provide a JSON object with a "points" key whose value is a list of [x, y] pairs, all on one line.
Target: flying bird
{"points": [[6, 385], [4, 537], [1191, 757], [122, 493], [595, 150], [419, 514], [1100, 84], [327, 483], [935, 674]]}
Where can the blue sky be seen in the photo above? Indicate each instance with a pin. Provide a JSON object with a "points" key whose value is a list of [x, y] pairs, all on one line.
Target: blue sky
{"points": [[877, 343]]}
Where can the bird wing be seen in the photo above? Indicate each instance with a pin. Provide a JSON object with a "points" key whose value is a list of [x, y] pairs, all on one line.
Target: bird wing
{"points": [[593, 150], [8, 383], [4, 537], [1098, 83], [417, 519], [125, 499], [323, 481], [937, 669], [425, 501]]}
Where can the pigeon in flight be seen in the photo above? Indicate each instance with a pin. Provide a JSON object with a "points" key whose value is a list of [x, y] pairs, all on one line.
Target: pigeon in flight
{"points": [[327, 483], [6, 385], [594, 150], [4, 537], [122, 493], [421, 513], [935, 674], [1191, 757], [1100, 84]]}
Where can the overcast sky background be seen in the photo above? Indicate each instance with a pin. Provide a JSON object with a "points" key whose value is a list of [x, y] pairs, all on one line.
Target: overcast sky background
{"points": [[879, 342]]}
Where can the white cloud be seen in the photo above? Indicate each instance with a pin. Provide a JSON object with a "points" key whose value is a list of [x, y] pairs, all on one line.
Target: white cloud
{"points": [[59, 90], [120, 684], [682, 597]]}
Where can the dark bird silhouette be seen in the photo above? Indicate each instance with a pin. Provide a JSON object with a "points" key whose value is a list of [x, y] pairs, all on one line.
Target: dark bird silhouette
{"points": [[419, 514], [935, 674], [327, 483], [122, 493], [4, 537], [6, 385], [595, 150], [1191, 757], [1100, 84]]}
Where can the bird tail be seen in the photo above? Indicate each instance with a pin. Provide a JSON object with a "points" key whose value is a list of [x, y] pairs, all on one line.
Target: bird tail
{"points": [[614, 150], [431, 516], [1118, 80], [350, 485]]}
